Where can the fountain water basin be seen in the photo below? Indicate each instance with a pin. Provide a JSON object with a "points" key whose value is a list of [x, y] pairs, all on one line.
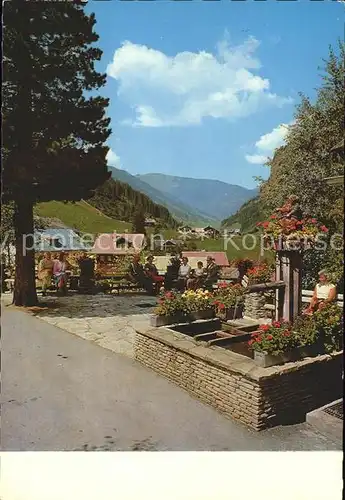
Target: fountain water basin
{"points": [[211, 334]]}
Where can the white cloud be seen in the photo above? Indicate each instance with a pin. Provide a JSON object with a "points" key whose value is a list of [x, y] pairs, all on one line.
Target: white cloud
{"points": [[256, 159], [185, 88], [274, 139], [113, 159], [267, 143]]}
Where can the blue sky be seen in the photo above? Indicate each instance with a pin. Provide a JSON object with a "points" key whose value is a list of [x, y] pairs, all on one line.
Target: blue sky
{"points": [[203, 89]]}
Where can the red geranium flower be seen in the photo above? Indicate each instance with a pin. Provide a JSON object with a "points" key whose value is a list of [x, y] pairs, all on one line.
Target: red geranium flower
{"points": [[276, 324], [269, 337], [324, 229], [264, 328], [286, 333]]}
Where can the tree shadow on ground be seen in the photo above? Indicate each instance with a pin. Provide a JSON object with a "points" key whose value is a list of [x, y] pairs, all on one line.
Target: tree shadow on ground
{"points": [[95, 306]]}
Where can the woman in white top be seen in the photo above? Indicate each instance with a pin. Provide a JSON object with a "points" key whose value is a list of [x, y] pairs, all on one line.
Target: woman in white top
{"points": [[183, 273], [324, 293], [196, 280]]}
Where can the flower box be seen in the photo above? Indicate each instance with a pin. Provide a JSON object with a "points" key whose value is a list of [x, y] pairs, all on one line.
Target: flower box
{"points": [[157, 320], [206, 314], [266, 360], [230, 313]]}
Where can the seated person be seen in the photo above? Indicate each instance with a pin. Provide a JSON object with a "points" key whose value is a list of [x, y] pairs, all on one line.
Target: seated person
{"points": [[324, 293], [212, 273], [87, 271], [101, 266], [152, 272], [183, 274], [60, 268], [197, 278], [137, 275], [45, 272], [171, 275]]}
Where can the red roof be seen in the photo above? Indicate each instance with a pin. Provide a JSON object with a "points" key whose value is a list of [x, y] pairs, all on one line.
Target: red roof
{"points": [[221, 258], [115, 243]]}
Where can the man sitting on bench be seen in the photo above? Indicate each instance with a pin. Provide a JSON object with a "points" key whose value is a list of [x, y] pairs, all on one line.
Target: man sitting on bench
{"points": [[172, 272], [87, 271], [152, 273], [212, 273], [136, 274]]}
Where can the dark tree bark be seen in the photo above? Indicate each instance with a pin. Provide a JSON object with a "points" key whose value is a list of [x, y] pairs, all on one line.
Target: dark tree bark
{"points": [[25, 283]]}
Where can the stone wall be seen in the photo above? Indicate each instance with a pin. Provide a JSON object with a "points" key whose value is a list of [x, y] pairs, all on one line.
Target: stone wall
{"points": [[290, 397], [229, 393], [254, 304], [235, 386]]}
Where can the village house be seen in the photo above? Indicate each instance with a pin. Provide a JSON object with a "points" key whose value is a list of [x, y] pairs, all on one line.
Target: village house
{"points": [[150, 222], [59, 240], [211, 232], [184, 229], [118, 244], [171, 245]]}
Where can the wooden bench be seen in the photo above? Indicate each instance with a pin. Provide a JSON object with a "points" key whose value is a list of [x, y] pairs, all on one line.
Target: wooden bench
{"points": [[133, 287], [306, 298], [307, 295], [119, 283]]}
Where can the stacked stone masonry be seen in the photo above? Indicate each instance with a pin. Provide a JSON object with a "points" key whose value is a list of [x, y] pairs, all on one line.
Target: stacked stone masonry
{"points": [[258, 404], [254, 305]]}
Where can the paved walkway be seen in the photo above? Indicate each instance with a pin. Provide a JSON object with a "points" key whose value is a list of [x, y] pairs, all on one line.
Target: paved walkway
{"points": [[60, 392], [107, 320]]}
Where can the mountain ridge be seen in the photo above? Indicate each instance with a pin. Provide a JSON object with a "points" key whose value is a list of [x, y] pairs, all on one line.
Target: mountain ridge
{"points": [[225, 200], [178, 209]]}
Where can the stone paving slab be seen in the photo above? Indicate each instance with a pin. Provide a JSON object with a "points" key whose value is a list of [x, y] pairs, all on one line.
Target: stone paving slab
{"points": [[106, 320], [326, 424]]}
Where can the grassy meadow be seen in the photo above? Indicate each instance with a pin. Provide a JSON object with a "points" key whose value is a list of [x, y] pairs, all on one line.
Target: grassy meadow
{"points": [[81, 216]]}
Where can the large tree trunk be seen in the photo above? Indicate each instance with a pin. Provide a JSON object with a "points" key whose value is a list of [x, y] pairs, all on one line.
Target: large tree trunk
{"points": [[25, 283]]}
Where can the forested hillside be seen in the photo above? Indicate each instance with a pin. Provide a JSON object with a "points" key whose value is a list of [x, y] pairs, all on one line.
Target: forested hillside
{"points": [[300, 166], [120, 201], [312, 153], [179, 210], [247, 217]]}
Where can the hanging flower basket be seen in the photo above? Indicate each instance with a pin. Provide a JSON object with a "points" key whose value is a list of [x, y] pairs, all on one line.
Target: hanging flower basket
{"points": [[293, 243], [286, 229]]}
